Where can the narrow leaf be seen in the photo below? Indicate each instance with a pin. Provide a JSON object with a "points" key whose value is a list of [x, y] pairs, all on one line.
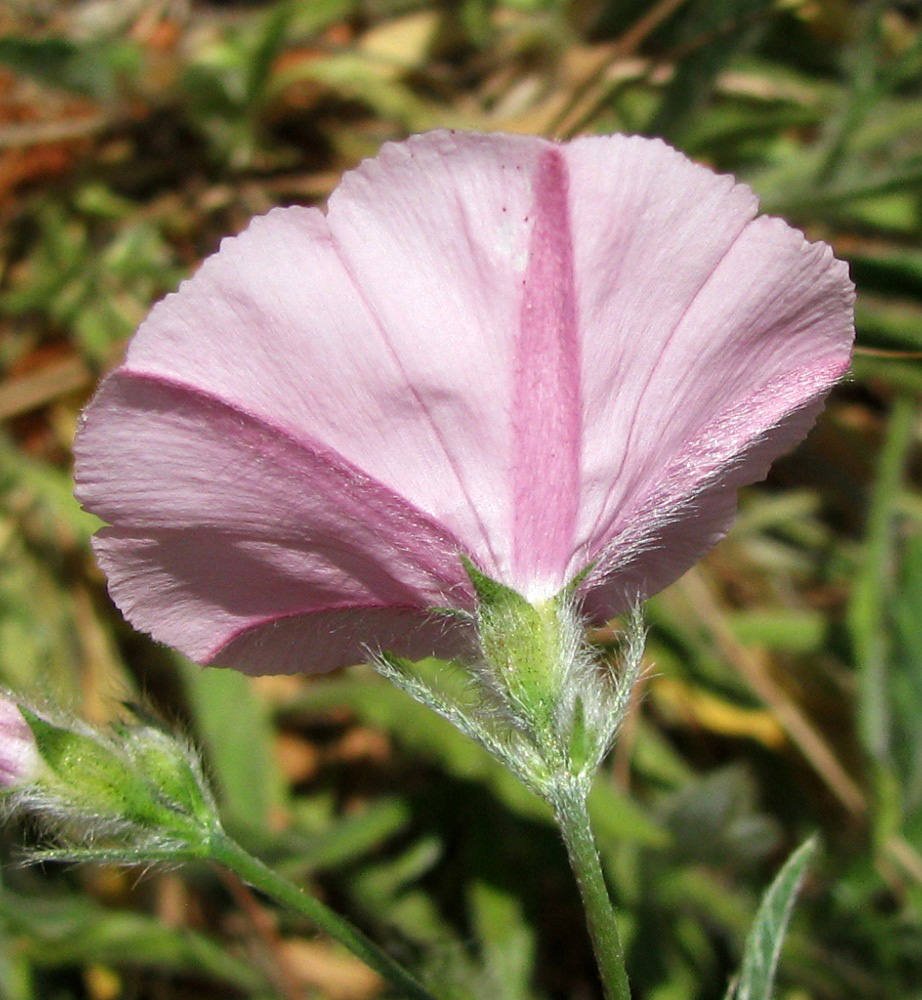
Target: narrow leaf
{"points": [[763, 946]]}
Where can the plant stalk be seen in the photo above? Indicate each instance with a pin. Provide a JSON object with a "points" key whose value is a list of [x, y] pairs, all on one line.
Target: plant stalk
{"points": [[227, 852], [573, 820]]}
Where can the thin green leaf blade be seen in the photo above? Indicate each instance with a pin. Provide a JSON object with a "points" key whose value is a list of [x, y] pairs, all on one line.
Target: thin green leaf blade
{"points": [[763, 946]]}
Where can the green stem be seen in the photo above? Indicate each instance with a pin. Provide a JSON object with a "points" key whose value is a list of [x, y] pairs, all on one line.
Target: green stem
{"points": [[232, 856], [573, 820]]}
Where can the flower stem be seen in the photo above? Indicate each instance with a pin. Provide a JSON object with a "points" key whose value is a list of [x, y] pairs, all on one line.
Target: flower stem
{"points": [[232, 856], [573, 820]]}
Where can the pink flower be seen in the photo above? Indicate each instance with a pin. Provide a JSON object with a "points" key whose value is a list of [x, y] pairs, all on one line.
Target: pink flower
{"points": [[543, 356], [19, 757]]}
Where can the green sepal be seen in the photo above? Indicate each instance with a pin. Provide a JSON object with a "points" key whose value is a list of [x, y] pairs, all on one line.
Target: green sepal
{"points": [[573, 585], [399, 664], [92, 775], [451, 613], [521, 643], [582, 744], [169, 765], [490, 593], [166, 768]]}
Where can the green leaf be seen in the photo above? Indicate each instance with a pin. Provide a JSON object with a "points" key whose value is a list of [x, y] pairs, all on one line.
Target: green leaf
{"points": [[710, 33], [906, 677], [763, 946], [715, 819], [347, 839], [311, 16], [68, 930], [890, 323], [874, 586], [390, 890], [267, 49], [92, 68], [358, 77], [797, 630], [507, 939], [15, 973]]}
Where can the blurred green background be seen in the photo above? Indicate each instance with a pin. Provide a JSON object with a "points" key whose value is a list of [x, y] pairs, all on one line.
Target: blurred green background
{"points": [[785, 690]]}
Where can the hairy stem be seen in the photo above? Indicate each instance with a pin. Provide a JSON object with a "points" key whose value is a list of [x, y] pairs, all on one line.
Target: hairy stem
{"points": [[573, 820], [232, 856]]}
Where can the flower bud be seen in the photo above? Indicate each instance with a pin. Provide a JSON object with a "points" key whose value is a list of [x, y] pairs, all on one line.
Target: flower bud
{"points": [[114, 793], [19, 757]]}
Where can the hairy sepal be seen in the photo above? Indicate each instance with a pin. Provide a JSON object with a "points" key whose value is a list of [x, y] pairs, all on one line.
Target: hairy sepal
{"points": [[541, 699]]}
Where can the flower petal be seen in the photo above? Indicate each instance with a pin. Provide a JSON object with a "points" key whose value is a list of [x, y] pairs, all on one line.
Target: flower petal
{"points": [[386, 329], [692, 503], [225, 523], [703, 328], [542, 356], [449, 235], [19, 757]]}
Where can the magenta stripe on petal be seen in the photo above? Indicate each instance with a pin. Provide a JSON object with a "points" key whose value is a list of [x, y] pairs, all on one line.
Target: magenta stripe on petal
{"points": [[546, 394], [223, 521]]}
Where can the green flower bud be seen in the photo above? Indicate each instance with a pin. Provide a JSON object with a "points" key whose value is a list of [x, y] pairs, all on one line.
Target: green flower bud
{"points": [[114, 794]]}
